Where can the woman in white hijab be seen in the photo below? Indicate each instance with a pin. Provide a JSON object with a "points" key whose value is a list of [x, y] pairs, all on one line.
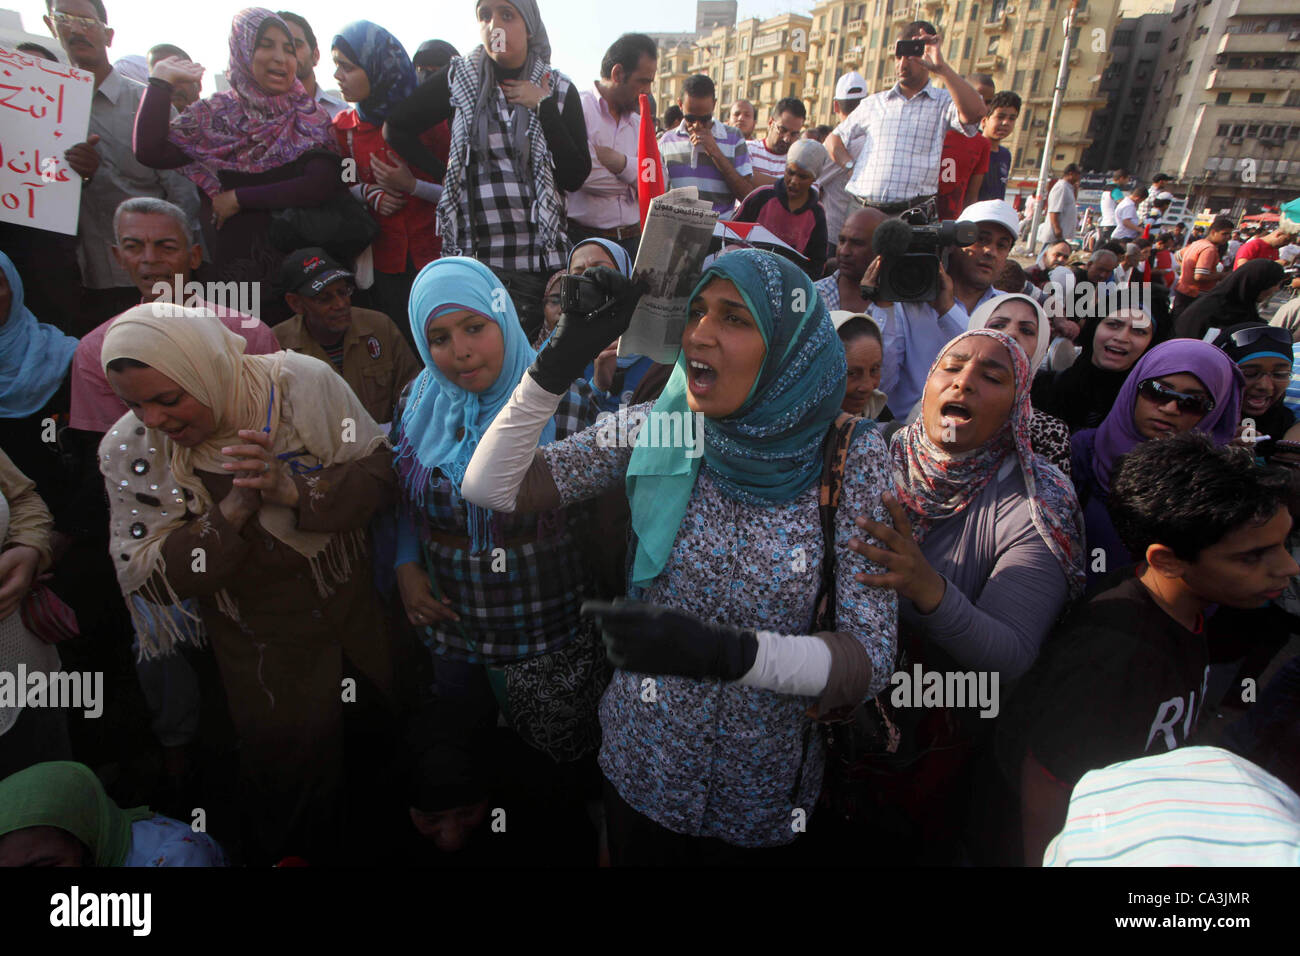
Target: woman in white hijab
{"points": [[1022, 318]]}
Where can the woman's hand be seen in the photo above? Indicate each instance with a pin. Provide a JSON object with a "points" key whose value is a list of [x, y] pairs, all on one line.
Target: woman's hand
{"points": [[17, 572], [175, 71], [390, 203], [257, 469], [909, 573], [422, 608], [606, 365], [396, 179], [523, 93], [224, 205], [578, 339]]}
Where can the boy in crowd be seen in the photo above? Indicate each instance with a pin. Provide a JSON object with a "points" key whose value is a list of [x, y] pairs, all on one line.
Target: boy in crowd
{"points": [[1004, 110], [1127, 673]]}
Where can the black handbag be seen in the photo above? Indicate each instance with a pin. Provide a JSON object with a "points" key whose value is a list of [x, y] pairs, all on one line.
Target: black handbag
{"points": [[342, 226]]}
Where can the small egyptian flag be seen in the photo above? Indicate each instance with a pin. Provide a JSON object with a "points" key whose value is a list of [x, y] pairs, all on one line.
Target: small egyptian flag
{"points": [[649, 164]]}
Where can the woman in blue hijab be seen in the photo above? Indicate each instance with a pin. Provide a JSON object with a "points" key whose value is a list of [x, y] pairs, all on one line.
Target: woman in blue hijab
{"points": [[375, 73], [496, 596], [706, 727], [35, 389]]}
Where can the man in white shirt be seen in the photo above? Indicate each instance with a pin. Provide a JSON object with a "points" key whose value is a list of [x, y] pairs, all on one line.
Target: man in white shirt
{"points": [[1111, 195], [607, 206], [850, 90], [767, 155], [1127, 225], [1062, 208], [896, 163], [304, 44]]}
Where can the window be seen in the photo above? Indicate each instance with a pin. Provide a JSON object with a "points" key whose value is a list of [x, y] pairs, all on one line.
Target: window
{"points": [[974, 12], [1123, 38], [1224, 129], [1038, 75], [1018, 82], [875, 39], [1027, 119], [1173, 45], [1164, 139], [993, 44], [1027, 41], [1239, 129], [792, 89], [1047, 35], [1153, 36], [1020, 152], [1293, 133], [965, 49], [961, 10], [1256, 98], [1033, 4], [1252, 130], [1178, 100], [1266, 132]]}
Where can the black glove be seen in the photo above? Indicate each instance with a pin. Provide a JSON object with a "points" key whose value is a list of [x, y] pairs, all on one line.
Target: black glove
{"points": [[578, 339], [650, 639]]}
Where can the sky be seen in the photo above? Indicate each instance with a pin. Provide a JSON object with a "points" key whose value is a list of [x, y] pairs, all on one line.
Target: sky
{"points": [[580, 30]]}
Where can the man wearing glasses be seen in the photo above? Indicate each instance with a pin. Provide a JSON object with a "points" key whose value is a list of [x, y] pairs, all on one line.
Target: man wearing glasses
{"points": [[106, 162], [705, 153], [900, 132], [783, 128], [364, 346]]}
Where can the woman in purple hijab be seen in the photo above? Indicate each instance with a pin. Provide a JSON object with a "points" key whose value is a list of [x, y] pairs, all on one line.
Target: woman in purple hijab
{"points": [[1178, 385], [262, 145]]}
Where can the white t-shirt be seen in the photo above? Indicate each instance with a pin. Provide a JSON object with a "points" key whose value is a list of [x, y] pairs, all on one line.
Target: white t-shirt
{"points": [[1127, 209], [1108, 201], [1060, 201]]}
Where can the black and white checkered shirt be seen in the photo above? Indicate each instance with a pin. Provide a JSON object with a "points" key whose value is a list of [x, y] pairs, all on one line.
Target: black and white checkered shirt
{"points": [[502, 197]]}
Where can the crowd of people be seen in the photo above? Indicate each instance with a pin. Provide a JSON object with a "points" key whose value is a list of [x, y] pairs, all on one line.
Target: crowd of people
{"points": [[392, 558]]}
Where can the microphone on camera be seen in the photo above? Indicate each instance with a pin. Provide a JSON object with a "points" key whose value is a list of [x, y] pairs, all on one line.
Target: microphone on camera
{"points": [[891, 238]]}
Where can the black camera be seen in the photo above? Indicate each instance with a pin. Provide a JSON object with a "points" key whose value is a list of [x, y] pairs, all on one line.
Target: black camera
{"points": [[909, 48], [580, 295], [910, 256]]}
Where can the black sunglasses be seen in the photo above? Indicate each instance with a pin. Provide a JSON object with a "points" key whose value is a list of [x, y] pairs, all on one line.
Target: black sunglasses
{"points": [[1160, 393], [1244, 338], [690, 118]]}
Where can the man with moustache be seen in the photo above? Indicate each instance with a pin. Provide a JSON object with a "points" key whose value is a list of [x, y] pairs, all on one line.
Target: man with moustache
{"points": [[304, 44], [743, 118], [842, 289], [767, 155]]}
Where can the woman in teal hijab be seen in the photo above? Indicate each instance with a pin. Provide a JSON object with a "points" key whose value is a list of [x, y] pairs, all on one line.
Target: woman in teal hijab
{"points": [[58, 814], [723, 475], [496, 596]]}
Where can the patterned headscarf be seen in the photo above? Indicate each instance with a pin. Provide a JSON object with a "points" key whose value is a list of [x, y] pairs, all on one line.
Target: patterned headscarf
{"points": [[617, 254], [247, 129], [442, 422], [34, 357], [388, 68], [473, 82], [933, 484], [769, 449], [69, 797], [1117, 435]]}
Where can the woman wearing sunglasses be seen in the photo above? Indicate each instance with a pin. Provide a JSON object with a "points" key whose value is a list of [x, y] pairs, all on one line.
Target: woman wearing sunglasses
{"points": [[1177, 386], [1263, 353]]}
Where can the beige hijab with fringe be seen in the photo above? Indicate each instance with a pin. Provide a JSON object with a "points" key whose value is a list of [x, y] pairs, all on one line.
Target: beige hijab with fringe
{"points": [[153, 483]]}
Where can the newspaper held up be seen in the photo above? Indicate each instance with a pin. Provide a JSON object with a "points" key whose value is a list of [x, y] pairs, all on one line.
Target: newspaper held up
{"points": [[674, 244]]}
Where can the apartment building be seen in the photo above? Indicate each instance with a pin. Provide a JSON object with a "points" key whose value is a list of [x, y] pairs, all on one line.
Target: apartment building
{"points": [[1223, 115], [1137, 42]]}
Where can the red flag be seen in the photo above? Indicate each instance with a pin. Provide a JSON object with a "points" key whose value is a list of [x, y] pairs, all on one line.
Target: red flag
{"points": [[649, 165]]}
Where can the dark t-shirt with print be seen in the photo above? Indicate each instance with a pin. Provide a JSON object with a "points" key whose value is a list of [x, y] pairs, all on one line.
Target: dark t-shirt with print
{"points": [[1121, 679]]}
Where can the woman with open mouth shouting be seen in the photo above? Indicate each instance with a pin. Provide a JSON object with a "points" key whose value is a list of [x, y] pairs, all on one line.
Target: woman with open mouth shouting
{"points": [[708, 750], [1179, 385], [1082, 395], [984, 548]]}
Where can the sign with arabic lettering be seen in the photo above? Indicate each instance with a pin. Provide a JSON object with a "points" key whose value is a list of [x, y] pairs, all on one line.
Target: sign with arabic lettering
{"points": [[44, 110]]}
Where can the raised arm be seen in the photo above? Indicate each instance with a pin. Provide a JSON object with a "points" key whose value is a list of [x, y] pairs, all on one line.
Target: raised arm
{"points": [[152, 123], [424, 109]]}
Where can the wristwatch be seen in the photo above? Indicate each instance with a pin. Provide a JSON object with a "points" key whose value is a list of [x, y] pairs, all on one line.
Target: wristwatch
{"points": [[848, 167]]}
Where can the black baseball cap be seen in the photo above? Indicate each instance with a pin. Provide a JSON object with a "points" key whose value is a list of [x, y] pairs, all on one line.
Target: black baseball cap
{"points": [[308, 271]]}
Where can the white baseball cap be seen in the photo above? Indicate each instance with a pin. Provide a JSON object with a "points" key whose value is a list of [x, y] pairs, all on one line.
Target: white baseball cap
{"points": [[993, 210], [1163, 196], [850, 86]]}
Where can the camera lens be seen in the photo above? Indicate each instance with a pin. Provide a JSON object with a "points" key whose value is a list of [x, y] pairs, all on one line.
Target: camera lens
{"points": [[912, 276]]}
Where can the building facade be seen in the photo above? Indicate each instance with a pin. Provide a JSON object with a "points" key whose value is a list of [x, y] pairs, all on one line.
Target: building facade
{"points": [[1137, 42], [1223, 116]]}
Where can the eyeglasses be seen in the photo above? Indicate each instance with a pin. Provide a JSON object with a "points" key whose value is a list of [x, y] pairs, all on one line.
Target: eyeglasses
{"points": [[68, 20], [693, 120], [1244, 338], [1188, 402]]}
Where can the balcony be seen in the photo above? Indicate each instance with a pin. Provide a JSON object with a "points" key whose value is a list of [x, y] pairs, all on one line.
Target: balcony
{"points": [[1074, 59], [1256, 43], [1255, 8], [990, 63], [902, 15], [1252, 80], [1082, 16], [811, 93], [995, 24], [816, 36], [856, 25]]}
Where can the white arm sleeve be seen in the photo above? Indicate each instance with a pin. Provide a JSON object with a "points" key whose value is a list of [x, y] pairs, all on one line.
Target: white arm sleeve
{"points": [[503, 455], [795, 664], [429, 192]]}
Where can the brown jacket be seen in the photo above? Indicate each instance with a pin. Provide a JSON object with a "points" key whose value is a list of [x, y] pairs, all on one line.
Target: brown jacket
{"points": [[377, 362]]}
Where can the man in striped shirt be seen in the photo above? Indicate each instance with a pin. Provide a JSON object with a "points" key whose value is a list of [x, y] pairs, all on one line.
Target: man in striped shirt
{"points": [[896, 165], [705, 153], [768, 154]]}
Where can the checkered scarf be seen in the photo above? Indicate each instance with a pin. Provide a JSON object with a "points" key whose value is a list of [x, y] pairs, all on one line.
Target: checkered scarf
{"points": [[467, 77]]}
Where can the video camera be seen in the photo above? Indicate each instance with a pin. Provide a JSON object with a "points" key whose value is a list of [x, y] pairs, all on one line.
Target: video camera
{"points": [[910, 256]]}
